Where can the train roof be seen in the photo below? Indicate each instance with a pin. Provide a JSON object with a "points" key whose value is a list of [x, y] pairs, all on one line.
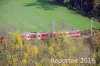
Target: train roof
{"points": [[34, 32]]}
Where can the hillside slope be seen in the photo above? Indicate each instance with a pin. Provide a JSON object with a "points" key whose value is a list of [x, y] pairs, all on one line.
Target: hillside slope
{"points": [[32, 15]]}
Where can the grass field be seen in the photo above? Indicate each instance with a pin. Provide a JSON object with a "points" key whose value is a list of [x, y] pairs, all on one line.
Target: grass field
{"points": [[33, 15]]}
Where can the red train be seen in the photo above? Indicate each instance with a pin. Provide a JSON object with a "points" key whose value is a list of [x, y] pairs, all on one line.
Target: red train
{"points": [[1, 39], [32, 36], [35, 36], [43, 35]]}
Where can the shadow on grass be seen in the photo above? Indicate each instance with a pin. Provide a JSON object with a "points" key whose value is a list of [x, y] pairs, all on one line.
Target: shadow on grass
{"points": [[44, 4]]}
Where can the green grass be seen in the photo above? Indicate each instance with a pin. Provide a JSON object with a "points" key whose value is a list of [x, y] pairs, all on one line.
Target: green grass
{"points": [[29, 15]]}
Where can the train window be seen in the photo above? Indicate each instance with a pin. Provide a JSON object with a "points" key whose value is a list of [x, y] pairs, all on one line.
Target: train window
{"points": [[77, 32], [47, 35], [34, 36], [28, 37], [39, 35], [54, 35], [43, 35], [31, 36]]}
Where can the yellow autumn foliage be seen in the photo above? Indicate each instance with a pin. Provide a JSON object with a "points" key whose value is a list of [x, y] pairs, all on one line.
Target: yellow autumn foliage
{"points": [[19, 41], [14, 58], [28, 48], [60, 54], [34, 50], [26, 55], [51, 49], [39, 55], [63, 64], [24, 61]]}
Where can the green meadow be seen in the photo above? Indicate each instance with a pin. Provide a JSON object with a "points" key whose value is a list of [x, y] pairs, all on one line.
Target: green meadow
{"points": [[38, 15]]}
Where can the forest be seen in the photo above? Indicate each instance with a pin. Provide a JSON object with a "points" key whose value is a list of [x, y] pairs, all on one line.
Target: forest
{"points": [[89, 8], [17, 52]]}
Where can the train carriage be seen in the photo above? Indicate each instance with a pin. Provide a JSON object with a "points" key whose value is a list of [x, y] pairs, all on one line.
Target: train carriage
{"points": [[32, 36]]}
